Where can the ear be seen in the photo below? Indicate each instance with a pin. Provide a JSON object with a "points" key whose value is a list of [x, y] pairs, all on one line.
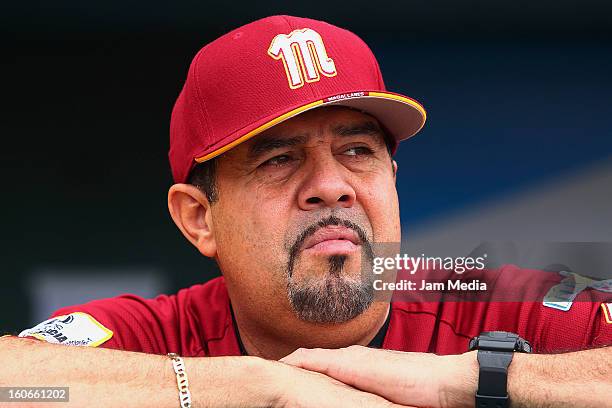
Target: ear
{"points": [[394, 170], [191, 212]]}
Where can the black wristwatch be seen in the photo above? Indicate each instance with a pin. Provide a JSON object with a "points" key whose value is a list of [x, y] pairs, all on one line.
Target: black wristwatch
{"points": [[495, 351]]}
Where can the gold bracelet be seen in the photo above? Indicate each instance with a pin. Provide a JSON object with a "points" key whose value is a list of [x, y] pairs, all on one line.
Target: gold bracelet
{"points": [[181, 380]]}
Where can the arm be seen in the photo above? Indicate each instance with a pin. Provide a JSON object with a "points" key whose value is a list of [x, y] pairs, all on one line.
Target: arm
{"points": [[534, 380], [578, 379], [111, 378]]}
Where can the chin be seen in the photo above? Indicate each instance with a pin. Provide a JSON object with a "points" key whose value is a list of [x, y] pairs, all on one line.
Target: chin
{"points": [[334, 297]]}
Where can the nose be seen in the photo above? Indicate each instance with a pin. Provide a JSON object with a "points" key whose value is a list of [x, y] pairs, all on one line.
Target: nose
{"points": [[326, 185]]}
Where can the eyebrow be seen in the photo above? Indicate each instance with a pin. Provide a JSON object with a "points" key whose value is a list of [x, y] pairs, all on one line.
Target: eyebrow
{"points": [[364, 128], [265, 144], [268, 143]]}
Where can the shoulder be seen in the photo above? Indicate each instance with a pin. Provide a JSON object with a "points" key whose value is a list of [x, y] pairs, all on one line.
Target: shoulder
{"points": [[446, 327], [180, 322]]}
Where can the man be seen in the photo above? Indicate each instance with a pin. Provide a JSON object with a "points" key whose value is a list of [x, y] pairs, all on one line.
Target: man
{"points": [[281, 145]]}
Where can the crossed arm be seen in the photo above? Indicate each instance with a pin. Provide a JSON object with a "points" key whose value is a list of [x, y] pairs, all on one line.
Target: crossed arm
{"points": [[350, 377], [577, 379], [105, 378]]}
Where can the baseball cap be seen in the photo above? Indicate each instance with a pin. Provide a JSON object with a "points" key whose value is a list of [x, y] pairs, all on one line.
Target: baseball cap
{"points": [[271, 70]]}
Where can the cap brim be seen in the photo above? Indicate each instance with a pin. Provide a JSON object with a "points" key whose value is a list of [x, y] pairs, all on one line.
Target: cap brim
{"points": [[401, 116]]}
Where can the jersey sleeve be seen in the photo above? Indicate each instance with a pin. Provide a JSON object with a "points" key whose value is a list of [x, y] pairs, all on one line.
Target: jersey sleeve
{"points": [[602, 334], [577, 323], [586, 325], [126, 322]]}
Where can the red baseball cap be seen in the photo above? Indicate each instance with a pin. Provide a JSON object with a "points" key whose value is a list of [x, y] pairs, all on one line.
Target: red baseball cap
{"points": [[273, 69]]}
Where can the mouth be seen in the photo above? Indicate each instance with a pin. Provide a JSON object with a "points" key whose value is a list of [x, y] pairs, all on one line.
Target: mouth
{"points": [[332, 240]]}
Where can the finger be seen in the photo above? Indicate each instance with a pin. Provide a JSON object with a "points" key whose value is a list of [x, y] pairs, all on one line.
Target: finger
{"points": [[317, 359], [355, 365], [374, 371]]}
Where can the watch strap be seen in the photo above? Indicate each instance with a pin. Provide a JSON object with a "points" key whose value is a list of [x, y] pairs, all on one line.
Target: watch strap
{"points": [[493, 378]]}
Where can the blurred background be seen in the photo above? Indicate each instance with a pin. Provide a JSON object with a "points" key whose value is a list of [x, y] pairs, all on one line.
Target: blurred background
{"points": [[518, 145]]}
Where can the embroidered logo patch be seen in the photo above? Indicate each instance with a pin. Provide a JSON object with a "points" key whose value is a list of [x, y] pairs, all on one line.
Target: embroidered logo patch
{"points": [[74, 329], [303, 55], [607, 311], [562, 295]]}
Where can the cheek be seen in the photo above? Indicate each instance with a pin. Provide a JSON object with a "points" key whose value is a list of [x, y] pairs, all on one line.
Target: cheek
{"points": [[249, 235], [380, 202]]}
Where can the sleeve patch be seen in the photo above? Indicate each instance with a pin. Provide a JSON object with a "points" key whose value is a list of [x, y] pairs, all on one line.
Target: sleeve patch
{"points": [[607, 312], [74, 329]]}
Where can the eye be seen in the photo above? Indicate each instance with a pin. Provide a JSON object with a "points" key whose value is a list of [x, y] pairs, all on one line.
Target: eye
{"points": [[358, 151], [277, 161]]}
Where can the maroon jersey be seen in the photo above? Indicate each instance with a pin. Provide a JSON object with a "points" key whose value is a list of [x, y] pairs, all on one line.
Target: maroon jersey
{"points": [[198, 321]]}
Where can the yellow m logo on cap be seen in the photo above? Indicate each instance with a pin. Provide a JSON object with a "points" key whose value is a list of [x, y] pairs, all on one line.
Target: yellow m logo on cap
{"points": [[304, 56]]}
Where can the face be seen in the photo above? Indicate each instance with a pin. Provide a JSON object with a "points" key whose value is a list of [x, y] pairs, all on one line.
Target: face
{"points": [[298, 211]]}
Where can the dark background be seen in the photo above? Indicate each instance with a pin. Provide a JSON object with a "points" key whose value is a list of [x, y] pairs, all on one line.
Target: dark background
{"points": [[518, 94]]}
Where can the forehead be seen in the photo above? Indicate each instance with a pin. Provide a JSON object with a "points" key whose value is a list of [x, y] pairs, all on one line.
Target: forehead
{"points": [[319, 120], [334, 121]]}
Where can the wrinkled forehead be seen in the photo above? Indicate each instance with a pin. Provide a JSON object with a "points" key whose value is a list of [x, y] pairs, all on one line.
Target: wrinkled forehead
{"points": [[327, 124], [324, 118], [331, 121]]}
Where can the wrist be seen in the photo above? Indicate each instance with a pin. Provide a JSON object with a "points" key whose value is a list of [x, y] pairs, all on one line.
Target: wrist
{"points": [[462, 382], [523, 373], [232, 381]]}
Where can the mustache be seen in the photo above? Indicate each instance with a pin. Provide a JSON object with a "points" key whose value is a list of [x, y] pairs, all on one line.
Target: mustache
{"points": [[325, 222]]}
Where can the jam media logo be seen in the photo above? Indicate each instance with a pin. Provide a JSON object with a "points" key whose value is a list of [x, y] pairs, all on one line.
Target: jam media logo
{"points": [[303, 55]]}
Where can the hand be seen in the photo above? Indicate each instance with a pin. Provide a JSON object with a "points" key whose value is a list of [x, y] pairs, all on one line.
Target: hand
{"points": [[301, 388], [420, 379]]}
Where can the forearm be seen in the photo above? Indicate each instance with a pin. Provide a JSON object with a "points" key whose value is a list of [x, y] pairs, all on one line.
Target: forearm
{"points": [[582, 378], [577, 379], [109, 378]]}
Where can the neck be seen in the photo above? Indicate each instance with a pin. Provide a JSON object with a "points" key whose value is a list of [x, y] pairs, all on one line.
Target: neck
{"points": [[289, 333]]}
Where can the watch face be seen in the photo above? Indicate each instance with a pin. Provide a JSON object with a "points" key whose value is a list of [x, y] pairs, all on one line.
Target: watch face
{"points": [[500, 340], [502, 335]]}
